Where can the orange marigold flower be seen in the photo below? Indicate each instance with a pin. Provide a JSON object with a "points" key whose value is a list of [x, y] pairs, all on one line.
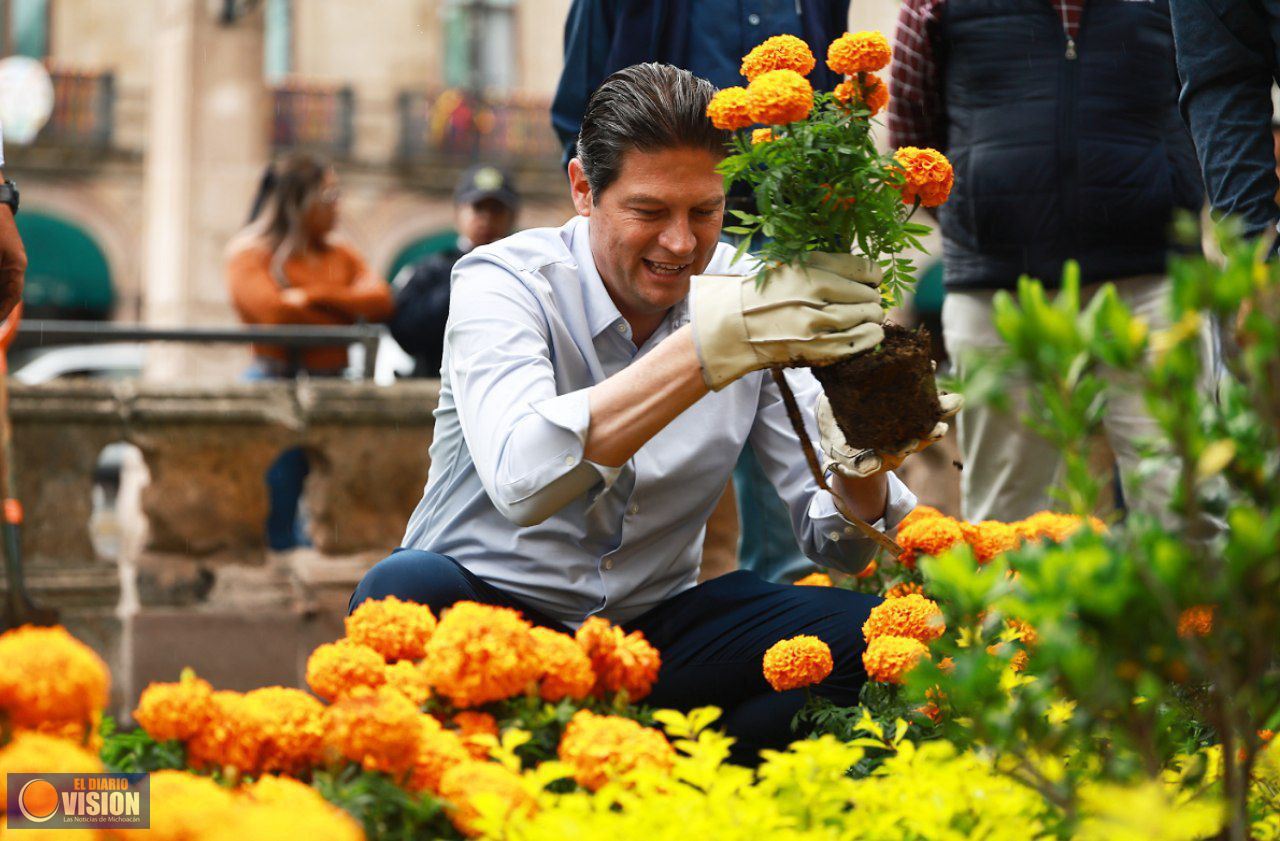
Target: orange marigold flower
{"points": [[928, 536], [336, 668], [991, 538], [927, 173], [463, 782], [481, 653], [781, 52], [859, 52], [1055, 527], [49, 678], [229, 736], [1025, 633], [183, 806], [601, 748], [378, 728], [409, 679], [1019, 661], [728, 109], [815, 579], [397, 630], [866, 89], [438, 751], [762, 135], [36, 753], [1196, 621], [280, 807], [566, 668], [889, 659], [909, 616], [290, 726], [868, 570], [174, 710], [478, 732], [920, 512], [620, 661], [779, 97], [797, 662], [906, 588], [87, 733]]}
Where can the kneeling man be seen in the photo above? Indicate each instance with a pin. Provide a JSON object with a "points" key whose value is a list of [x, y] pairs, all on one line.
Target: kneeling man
{"points": [[599, 382]]}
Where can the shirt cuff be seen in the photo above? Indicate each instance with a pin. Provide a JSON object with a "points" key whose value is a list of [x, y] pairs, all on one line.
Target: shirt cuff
{"points": [[823, 511], [572, 413]]}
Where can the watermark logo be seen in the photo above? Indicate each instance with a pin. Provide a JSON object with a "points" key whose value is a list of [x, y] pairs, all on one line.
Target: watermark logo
{"points": [[79, 801]]}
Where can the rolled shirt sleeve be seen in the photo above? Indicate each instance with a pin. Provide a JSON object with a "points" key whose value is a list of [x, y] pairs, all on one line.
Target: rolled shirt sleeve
{"points": [[526, 438], [825, 536]]}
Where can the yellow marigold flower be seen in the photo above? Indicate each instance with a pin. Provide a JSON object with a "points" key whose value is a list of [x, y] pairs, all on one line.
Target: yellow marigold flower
{"points": [[621, 661], [397, 630], [290, 725], [728, 109], [174, 710], [478, 731], [779, 97], [920, 512], [601, 748], [48, 677], [815, 579], [889, 659], [1055, 527], [797, 662], [462, 783], [1196, 621], [183, 807], [378, 728], [37, 753], [990, 538], [859, 52], [281, 807], [911, 616], [480, 653], [928, 536], [336, 668], [927, 173], [866, 89], [438, 751], [566, 668], [410, 680], [762, 135], [87, 733], [906, 588], [781, 52], [1024, 631]]}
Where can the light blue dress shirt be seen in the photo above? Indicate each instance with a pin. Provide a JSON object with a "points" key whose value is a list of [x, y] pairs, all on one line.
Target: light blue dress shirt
{"points": [[509, 495]]}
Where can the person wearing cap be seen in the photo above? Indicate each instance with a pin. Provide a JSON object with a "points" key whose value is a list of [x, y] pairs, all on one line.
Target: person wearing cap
{"points": [[485, 204]]}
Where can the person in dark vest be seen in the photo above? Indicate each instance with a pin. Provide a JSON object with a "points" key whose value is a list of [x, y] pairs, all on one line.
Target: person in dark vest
{"points": [[485, 205], [1061, 120], [708, 38]]}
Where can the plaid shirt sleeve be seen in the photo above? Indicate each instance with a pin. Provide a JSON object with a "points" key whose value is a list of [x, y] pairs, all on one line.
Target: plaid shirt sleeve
{"points": [[917, 116]]}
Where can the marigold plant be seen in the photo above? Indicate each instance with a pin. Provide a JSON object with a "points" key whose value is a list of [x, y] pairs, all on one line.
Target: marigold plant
{"points": [[779, 97], [378, 728], [602, 748], [410, 679], [761, 135], [797, 662], [395, 629], [336, 668], [928, 536], [438, 751], [480, 653], [174, 710], [566, 668], [36, 753], [470, 787], [889, 659], [620, 661], [781, 52], [911, 616], [815, 579], [728, 109], [859, 52], [48, 677]]}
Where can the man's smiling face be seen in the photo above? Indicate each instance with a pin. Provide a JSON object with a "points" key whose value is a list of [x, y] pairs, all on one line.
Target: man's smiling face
{"points": [[654, 227]]}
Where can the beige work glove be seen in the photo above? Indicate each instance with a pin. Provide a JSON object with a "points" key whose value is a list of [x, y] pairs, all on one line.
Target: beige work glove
{"points": [[862, 464], [809, 315]]}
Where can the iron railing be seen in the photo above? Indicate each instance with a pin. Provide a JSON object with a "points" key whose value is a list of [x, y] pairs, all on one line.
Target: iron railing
{"points": [[458, 127]]}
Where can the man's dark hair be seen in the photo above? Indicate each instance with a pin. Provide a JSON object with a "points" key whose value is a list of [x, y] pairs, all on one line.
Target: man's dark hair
{"points": [[646, 107]]}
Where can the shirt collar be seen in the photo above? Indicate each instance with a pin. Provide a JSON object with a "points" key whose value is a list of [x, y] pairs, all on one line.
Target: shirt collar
{"points": [[602, 312]]}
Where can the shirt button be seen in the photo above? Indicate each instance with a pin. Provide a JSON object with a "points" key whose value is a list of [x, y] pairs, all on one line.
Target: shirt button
{"points": [[834, 535], [621, 328], [754, 20], [570, 460], [608, 563], [849, 530]]}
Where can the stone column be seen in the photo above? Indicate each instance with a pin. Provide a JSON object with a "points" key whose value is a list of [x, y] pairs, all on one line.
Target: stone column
{"points": [[206, 145]]}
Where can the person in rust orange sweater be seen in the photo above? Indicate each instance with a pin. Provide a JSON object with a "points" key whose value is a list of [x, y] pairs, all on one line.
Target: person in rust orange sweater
{"points": [[287, 267]]}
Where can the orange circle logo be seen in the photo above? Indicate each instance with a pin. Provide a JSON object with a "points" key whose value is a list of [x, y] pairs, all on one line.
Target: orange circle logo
{"points": [[38, 800]]}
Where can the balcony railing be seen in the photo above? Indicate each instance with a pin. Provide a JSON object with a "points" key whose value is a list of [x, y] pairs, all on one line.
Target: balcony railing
{"points": [[454, 126], [317, 118], [83, 109]]}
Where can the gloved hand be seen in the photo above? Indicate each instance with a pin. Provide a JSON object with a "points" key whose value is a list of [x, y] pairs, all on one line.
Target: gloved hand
{"points": [[812, 315], [862, 464]]}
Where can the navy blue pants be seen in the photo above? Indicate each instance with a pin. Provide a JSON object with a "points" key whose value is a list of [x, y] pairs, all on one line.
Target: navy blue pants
{"points": [[712, 638]]}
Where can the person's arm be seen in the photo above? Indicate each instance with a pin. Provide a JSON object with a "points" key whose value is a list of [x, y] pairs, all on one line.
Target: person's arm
{"points": [[260, 300], [422, 309], [824, 535], [367, 296], [1225, 57], [917, 109], [13, 260], [587, 38]]}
